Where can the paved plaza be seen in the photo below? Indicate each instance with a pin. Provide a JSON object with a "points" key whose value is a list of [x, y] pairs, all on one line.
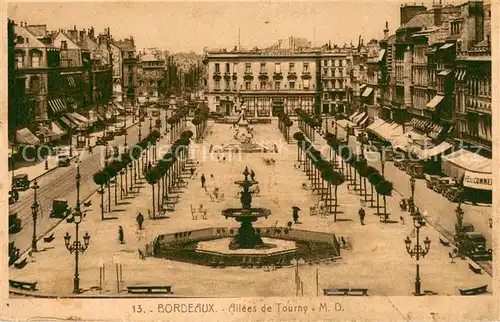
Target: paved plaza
{"points": [[377, 258]]}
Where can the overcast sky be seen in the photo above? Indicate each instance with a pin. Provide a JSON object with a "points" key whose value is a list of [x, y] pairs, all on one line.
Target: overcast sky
{"points": [[177, 26]]}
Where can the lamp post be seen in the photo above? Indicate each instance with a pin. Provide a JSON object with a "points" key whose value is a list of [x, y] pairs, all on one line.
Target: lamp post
{"points": [[139, 134], [78, 177], [70, 141], [77, 247], [47, 162], [166, 124], [417, 250], [150, 124], [382, 159], [412, 187], [34, 212]]}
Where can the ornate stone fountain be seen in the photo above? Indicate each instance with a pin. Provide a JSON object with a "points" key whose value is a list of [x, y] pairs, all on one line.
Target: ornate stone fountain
{"points": [[247, 237]]}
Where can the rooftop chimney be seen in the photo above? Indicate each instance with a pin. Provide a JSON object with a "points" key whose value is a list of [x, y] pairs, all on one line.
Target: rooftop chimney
{"points": [[386, 30], [437, 13]]}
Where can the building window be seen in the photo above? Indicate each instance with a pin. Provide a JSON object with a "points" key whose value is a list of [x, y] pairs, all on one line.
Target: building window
{"points": [[306, 83], [306, 68], [341, 74], [19, 60], [217, 68], [35, 60], [262, 67], [235, 68], [35, 84], [217, 84], [248, 68], [291, 67], [277, 85], [227, 68], [277, 68], [340, 62], [263, 109], [227, 85], [262, 85], [234, 85], [248, 86], [292, 85]]}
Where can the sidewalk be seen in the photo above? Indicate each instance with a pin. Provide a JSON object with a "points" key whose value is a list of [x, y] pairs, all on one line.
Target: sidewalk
{"points": [[36, 170]]}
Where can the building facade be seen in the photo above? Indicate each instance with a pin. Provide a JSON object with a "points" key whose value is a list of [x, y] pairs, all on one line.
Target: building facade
{"points": [[151, 72], [266, 82], [336, 68], [128, 69]]}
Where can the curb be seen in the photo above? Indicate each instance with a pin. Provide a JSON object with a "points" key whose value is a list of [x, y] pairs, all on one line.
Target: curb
{"points": [[71, 159]]}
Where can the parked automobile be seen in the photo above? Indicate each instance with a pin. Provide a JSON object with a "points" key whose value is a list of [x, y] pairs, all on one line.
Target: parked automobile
{"points": [[444, 182], [120, 131], [14, 223], [63, 160], [110, 135], [60, 208], [452, 193], [214, 115], [20, 182], [431, 180], [474, 245], [13, 197]]}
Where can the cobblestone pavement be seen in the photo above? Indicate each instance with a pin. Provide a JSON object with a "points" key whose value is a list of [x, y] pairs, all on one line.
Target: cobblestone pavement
{"points": [[377, 259]]}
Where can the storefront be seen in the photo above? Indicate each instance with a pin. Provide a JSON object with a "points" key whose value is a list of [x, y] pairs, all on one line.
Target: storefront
{"points": [[475, 171], [385, 131]]}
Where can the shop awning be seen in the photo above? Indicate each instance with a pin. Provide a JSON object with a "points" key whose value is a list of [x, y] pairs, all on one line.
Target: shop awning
{"points": [[363, 121], [445, 72], [26, 137], [57, 129], [400, 142], [66, 123], [354, 115], [426, 152], [359, 117], [435, 101], [375, 124], [47, 135], [475, 169], [344, 123], [80, 118], [57, 105], [388, 131], [367, 92], [362, 86], [446, 46]]}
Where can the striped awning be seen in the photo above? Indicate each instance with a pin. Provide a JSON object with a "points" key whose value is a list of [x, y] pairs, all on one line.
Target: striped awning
{"points": [[66, 123], [435, 101], [57, 105], [57, 129], [26, 137], [367, 92], [375, 124]]}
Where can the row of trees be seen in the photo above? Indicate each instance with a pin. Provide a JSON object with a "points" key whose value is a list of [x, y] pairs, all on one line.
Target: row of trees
{"points": [[356, 167], [178, 122], [308, 123], [316, 168], [284, 124], [166, 172], [200, 120], [128, 161]]}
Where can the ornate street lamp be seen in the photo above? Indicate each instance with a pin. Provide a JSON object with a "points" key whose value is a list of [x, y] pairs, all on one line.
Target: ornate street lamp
{"points": [[139, 134], [78, 177], [34, 212], [77, 247], [150, 124], [70, 141], [412, 187], [47, 162], [166, 124], [417, 249]]}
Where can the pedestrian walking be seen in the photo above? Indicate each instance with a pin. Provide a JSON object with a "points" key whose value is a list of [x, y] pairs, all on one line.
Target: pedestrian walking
{"points": [[192, 172], [90, 149], [295, 214], [252, 175], [203, 180], [120, 235], [140, 220], [361, 213]]}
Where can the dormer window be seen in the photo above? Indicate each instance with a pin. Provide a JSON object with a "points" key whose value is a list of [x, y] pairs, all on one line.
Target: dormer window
{"points": [[35, 59], [64, 44]]}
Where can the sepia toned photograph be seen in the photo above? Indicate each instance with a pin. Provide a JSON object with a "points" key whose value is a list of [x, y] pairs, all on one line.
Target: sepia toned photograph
{"points": [[183, 150]]}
